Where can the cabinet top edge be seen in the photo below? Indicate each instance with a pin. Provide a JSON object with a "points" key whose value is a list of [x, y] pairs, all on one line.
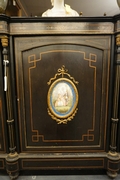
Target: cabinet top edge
{"points": [[56, 19], [46, 25]]}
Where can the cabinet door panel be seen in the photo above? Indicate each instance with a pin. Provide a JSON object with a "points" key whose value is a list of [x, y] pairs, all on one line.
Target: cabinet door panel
{"points": [[87, 60]]}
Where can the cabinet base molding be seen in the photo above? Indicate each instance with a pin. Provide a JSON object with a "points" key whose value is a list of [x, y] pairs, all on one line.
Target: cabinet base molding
{"points": [[59, 161]]}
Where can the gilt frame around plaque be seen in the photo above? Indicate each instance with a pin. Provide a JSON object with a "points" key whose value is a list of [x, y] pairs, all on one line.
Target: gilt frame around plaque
{"points": [[62, 98]]}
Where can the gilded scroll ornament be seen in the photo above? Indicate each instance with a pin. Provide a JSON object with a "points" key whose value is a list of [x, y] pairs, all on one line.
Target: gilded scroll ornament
{"points": [[4, 41], [118, 40], [62, 97]]}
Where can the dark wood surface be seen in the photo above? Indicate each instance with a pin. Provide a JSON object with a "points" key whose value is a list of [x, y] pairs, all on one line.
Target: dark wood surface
{"points": [[85, 131]]}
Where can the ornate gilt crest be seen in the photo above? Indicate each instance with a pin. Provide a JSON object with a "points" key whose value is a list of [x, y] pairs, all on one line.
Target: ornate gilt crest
{"points": [[62, 97]]}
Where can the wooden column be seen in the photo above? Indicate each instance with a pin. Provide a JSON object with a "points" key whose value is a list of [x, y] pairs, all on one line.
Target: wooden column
{"points": [[113, 156], [12, 158]]}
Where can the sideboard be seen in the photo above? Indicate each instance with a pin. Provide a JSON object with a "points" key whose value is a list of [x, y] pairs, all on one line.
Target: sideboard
{"points": [[59, 94]]}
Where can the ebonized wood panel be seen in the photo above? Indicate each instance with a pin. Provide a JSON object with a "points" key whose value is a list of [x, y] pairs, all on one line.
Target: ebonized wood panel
{"points": [[87, 59]]}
